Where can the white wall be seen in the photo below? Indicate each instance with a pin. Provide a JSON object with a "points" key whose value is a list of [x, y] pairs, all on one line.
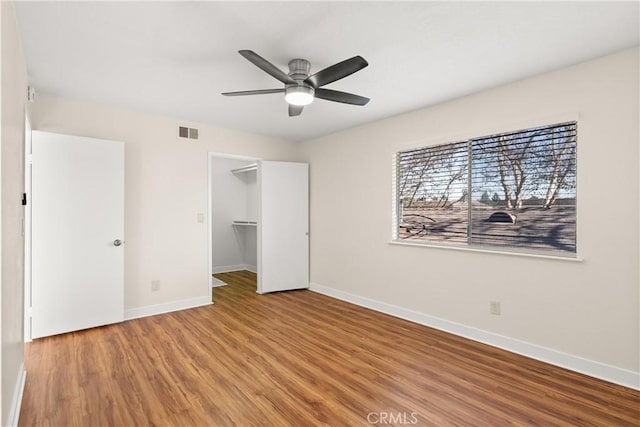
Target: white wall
{"points": [[165, 189], [250, 234], [231, 200], [12, 107], [587, 309]]}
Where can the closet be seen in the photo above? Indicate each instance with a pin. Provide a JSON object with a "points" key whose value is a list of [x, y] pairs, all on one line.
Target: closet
{"points": [[234, 213], [259, 221]]}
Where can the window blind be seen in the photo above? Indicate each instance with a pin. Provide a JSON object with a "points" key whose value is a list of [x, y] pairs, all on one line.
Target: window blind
{"points": [[514, 189], [530, 174], [432, 190]]}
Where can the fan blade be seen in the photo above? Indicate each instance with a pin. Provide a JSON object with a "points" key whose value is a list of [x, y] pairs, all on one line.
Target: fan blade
{"points": [[344, 97], [253, 92], [295, 110], [266, 66], [337, 71]]}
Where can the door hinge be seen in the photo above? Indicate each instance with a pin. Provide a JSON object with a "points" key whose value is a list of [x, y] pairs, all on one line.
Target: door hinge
{"points": [[24, 199], [31, 94]]}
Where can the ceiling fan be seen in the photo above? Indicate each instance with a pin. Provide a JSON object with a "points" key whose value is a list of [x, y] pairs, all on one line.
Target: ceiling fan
{"points": [[300, 87]]}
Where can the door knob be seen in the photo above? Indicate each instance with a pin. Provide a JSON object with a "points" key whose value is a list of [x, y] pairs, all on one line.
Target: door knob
{"points": [[117, 242]]}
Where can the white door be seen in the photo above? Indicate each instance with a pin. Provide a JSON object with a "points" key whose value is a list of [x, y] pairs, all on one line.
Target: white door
{"points": [[283, 226], [77, 233]]}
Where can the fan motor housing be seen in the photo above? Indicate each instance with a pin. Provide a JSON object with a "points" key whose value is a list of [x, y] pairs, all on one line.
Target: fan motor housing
{"points": [[299, 69]]}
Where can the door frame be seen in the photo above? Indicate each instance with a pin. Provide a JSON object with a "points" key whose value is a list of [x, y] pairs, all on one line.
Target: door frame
{"points": [[26, 228], [210, 156]]}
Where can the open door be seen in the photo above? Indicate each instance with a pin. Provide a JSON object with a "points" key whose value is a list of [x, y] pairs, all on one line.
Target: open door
{"points": [[283, 226], [77, 233]]}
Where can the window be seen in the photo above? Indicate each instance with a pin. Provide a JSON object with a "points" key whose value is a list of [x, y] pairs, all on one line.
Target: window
{"points": [[514, 190]]}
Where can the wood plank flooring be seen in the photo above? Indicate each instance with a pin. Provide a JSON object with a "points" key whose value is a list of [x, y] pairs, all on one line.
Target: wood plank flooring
{"points": [[299, 359]]}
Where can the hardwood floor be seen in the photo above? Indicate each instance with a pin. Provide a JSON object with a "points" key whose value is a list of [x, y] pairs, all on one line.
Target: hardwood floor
{"points": [[299, 359]]}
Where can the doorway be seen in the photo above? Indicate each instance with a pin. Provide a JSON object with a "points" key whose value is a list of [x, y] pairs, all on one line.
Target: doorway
{"points": [[233, 214]]}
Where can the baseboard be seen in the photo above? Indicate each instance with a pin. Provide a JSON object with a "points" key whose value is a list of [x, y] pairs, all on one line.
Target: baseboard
{"points": [[232, 268], [16, 402], [227, 268], [167, 307], [574, 363], [215, 282]]}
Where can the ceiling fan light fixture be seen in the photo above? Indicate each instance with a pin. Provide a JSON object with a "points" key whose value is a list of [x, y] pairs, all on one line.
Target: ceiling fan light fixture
{"points": [[300, 95]]}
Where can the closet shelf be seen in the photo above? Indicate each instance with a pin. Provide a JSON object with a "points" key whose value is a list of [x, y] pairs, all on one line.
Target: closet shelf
{"points": [[247, 168], [245, 223]]}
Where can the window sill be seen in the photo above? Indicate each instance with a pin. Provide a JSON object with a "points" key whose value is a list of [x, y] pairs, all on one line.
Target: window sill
{"points": [[487, 251]]}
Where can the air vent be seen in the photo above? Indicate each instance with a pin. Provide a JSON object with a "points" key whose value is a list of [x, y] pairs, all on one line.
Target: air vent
{"points": [[187, 133]]}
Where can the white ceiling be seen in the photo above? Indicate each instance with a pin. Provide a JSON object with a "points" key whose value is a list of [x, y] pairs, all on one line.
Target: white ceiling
{"points": [[175, 58]]}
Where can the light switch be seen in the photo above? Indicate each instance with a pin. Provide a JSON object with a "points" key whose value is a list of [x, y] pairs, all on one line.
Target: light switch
{"points": [[200, 218]]}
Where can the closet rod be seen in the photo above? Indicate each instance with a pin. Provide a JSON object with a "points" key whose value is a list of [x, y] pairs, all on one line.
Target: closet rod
{"points": [[247, 168], [238, 222]]}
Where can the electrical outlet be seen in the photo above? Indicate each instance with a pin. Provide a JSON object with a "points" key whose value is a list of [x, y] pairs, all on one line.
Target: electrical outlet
{"points": [[494, 307], [155, 285]]}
